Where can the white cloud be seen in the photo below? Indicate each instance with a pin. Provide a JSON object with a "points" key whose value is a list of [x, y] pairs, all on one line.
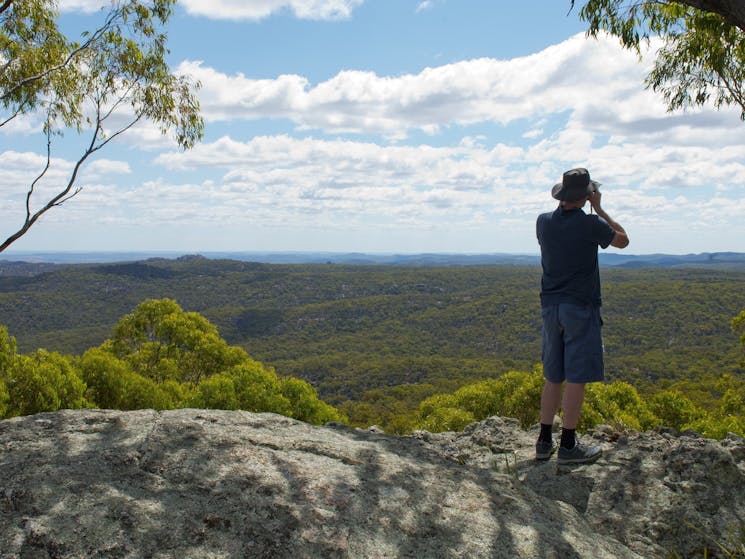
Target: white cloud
{"points": [[102, 168], [348, 188], [466, 180], [424, 5], [241, 9], [595, 81], [85, 6], [24, 124], [277, 179], [260, 9]]}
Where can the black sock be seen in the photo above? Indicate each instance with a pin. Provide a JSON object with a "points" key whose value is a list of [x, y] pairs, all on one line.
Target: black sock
{"points": [[545, 435], [567, 438]]}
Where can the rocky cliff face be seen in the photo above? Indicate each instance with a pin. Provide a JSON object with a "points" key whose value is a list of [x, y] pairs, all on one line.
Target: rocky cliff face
{"points": [[217, 484]]}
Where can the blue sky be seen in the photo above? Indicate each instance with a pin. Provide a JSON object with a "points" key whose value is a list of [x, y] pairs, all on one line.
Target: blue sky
{"points": [[389, 126]]}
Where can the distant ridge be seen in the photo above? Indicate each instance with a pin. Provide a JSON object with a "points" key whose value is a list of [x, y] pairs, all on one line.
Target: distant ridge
{"points": [[704, 259], [42, 260]]}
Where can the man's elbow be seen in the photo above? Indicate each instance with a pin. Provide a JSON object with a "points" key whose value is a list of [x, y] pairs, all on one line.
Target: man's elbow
{"points": [[620, 240]]}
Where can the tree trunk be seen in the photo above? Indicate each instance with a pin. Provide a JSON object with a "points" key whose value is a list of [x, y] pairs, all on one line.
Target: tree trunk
{"points": [[731, 10]]}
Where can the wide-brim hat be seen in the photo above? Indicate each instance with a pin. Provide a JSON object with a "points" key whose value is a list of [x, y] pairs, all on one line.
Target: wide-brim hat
{"points": [[575, 184]]}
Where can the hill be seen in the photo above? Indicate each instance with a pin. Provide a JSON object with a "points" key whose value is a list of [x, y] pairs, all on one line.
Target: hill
{"points": [[12, 262], [377, 340]]}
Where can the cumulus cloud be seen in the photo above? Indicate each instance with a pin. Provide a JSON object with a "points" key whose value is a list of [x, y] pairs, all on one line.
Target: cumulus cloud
{"points": [[260, 9], [276, 179], [85, 6], [460, 182], [493, 191], [24, 124], [99, 168], [242, 9], [595, 81]]}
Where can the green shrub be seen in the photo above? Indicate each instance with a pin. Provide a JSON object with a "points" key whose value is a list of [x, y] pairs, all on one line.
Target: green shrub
{"points": [[4, 398], [447, 419], [304, 402], [674, 409], [216, 392], [439, 401], [7, 350], [144, 393], [41, 382], [105, 377], [617, 404], [257, 389], [514, 394], [252, 387]]}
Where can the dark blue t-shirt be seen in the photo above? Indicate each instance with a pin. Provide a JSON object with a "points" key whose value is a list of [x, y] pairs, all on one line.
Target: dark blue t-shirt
{"points": [[569, 242]]}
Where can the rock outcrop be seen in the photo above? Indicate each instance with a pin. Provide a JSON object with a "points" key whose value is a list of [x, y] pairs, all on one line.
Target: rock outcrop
{"points": [[219, 484]]}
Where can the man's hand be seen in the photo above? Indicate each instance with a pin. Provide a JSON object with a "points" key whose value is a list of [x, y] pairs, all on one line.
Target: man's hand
{"points": [[595, 201], [621, 239]]}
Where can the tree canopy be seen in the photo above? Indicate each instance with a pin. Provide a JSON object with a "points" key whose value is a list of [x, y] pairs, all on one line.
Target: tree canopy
{"points": [[96, 87], [738, 324], [159, 357], [702, 57]]}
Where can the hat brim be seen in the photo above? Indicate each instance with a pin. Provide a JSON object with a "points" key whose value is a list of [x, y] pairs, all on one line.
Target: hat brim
{"points": [[572, 195]]}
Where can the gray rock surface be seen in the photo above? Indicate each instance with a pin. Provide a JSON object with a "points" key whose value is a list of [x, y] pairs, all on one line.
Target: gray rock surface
{"points": [[218, 484]]}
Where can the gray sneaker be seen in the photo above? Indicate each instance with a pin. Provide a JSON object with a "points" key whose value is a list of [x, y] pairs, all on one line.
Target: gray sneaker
{"points": [[544, 450], [580, 454]]}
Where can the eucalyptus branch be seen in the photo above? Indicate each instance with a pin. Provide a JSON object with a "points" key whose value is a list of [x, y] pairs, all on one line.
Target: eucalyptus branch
{"points": [[69, 58], [115, 105], [85, 86], [60, 198], [17, 111], [4, 67], [731, 10], [117, 133], [735, 90], [11, 117], [30, 192]]}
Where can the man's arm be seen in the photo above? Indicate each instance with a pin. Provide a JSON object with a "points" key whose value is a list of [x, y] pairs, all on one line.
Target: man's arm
{"points": [[620, 239]]}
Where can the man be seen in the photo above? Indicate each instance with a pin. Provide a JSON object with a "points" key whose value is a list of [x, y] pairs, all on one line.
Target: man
{"points": [[570, 308]]}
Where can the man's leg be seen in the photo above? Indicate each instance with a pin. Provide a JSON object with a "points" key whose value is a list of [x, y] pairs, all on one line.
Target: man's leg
{"points": [[570, 451], [550, 400], [583, 362], [574, 395], [553, 368]]}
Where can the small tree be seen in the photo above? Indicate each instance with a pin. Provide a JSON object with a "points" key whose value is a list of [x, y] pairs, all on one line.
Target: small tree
{"points": [[703, 51], [99, 87], [162, 342]]}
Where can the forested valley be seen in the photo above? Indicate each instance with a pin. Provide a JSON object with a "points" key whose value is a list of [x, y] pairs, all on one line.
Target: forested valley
{"points": [[402, 347]]}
